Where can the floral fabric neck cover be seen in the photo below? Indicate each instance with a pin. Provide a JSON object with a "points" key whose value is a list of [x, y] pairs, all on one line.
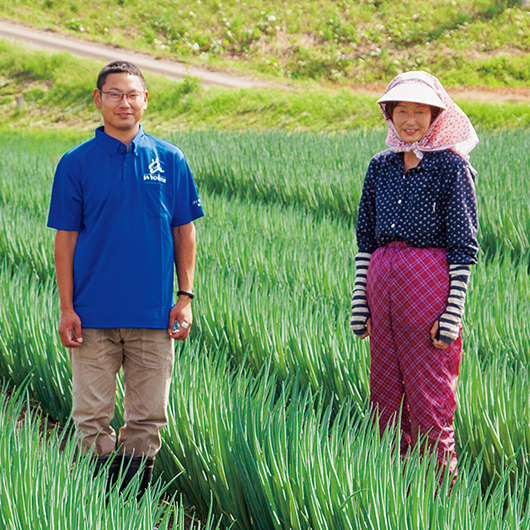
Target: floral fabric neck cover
{"points": [[450, 130]]}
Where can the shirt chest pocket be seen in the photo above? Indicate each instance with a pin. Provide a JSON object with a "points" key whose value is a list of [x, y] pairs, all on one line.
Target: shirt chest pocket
{"points": [[426, 191], [154, 199], [426, 202]]}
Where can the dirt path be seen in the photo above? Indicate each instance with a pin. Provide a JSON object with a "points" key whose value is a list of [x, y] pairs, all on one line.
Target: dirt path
{"points": [[51, 41]]}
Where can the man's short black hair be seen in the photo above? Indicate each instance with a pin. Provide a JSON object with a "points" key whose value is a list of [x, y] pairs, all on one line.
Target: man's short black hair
{"points": [[119, 67]]}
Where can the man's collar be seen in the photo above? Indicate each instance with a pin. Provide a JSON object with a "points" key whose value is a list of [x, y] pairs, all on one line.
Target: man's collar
{"points": [[114, 146]]}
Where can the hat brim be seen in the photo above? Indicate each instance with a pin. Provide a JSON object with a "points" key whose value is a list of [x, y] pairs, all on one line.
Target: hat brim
{"points": [[413, 93]]}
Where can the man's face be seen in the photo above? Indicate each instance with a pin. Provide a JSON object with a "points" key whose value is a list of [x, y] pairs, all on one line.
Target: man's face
{"points": [[121, 115]]}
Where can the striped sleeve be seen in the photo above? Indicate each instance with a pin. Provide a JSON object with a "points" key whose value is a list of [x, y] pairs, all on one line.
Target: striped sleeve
{"points": [[450, 321], [359, 305]]}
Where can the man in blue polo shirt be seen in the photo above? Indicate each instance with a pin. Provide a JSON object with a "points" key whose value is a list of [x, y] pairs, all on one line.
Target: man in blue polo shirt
{"points": [[123, 205]]}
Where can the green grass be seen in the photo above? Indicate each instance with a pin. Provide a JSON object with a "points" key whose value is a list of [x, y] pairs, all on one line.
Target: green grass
{"points": [[268, 422], [288, 462], [478, 42], [46, 485], [263, 418], [57, 89]]}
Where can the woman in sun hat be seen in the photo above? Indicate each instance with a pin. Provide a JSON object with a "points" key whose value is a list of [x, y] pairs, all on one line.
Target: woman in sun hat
{"points": [[417, 238]]}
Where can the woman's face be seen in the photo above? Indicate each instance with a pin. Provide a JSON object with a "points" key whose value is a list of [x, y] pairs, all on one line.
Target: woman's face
{"points": [[411, 120]]}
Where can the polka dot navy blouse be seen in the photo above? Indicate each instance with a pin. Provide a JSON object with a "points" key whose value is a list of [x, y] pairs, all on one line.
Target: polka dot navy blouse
{"points": [[431, 205]]}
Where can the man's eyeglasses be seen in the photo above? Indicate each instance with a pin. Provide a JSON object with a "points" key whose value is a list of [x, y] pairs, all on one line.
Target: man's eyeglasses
{"points": [[115, 97]]}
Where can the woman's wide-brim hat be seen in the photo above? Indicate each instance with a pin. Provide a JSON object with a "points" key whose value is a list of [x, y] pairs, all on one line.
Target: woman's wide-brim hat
{"points": [[451, 128], [414, 92]]}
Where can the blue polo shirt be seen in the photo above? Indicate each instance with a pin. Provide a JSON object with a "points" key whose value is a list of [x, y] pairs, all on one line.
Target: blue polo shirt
{"points": [[124, 205]]}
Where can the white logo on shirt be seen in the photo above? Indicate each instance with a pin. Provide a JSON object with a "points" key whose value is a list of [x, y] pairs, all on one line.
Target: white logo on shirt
{"points": [[155, 170], [155, 166]]}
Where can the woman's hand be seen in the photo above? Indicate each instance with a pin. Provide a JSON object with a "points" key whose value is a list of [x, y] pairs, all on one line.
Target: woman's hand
{"points": [[436, 342], [368, 329]]}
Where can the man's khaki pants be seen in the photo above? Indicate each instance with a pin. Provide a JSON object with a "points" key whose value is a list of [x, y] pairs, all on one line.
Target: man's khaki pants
{"points": [[147, 357]]}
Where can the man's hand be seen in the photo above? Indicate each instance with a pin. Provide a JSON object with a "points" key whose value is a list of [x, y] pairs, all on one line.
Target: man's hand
{"points": [[70, 329], [436, 342], [181, 313]]}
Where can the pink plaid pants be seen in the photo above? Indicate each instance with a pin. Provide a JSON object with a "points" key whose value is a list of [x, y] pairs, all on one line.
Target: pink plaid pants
{"points": [[407, 291]]}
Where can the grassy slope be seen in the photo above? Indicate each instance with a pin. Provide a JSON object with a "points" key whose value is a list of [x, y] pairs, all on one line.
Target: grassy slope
{"points": [[57, 90], [473, 42]]}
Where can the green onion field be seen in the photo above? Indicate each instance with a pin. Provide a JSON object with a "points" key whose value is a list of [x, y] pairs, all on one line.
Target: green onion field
{"points": [[269, 422]]}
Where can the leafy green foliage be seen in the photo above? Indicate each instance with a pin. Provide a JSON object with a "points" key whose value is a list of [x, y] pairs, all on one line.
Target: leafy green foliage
{"points": [[57, 90], [337, 42]]}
